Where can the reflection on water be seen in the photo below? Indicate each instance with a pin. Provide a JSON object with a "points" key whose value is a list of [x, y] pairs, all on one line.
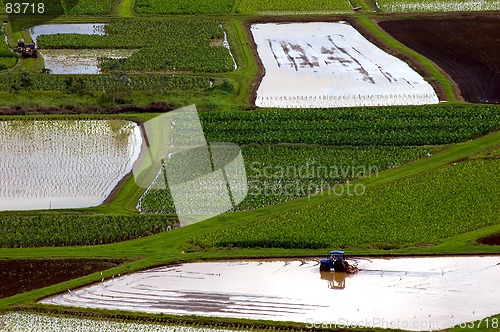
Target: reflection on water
{"points": [[76, 28], [418, 293], [336, 280], [63, 163]]}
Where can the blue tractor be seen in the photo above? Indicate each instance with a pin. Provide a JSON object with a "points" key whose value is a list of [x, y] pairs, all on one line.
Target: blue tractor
{"points": [[336, 261]]}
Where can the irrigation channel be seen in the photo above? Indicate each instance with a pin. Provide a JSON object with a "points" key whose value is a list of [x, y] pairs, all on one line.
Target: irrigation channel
{"points": [[411, 293]]}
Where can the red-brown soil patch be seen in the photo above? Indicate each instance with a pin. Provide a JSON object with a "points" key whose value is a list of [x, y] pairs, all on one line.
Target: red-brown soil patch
{"points": [[467, 48], [22, 275], [492, 240]]}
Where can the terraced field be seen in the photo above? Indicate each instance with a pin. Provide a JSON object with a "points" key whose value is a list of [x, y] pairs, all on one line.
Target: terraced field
{"points": [[372, 180]]}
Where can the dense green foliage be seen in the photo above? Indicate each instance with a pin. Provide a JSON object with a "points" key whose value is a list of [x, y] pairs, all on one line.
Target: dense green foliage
{"points": [[71, 230], [102, 82], [403, 126], [183, 6], [424, 209], [437, 5], [277, 174], [92, 7], [287, 6], [7, 57], [174, 45]]}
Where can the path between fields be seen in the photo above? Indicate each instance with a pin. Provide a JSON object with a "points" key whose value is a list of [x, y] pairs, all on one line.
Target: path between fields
{"points": [[125, 8]]}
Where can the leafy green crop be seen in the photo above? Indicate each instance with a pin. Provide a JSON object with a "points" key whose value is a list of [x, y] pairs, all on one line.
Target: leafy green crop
{"points": [[437, 5], [402, 125], [71, 230], [277, 174], [183, 6], [173, 45], [294, 6], [450, 201], [138, 82]]}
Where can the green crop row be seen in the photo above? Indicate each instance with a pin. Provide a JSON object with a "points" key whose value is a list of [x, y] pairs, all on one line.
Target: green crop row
{"points": [[277, 174], [437, 5], [402, 126], [137, 82], [425, 209], [174, 45], [292, 6], [80, 7], [71, 230], [183, 7]]}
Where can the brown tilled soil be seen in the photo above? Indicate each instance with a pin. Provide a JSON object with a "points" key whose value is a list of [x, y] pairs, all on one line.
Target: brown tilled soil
{"points": [[467, 48], [492, 240], [22, 275]]}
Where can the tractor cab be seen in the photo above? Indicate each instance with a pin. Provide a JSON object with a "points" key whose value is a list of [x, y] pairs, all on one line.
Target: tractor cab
{"points": [[29, 51], [336, 261]]}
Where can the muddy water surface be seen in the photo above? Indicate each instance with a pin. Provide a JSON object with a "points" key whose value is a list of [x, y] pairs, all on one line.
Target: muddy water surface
{"points": [[407, 293]]}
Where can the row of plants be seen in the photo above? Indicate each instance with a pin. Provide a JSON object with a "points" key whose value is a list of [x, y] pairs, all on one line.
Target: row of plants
{"points": [[84, 83], [77, 229], [183, 7], [277, 174], [18, 321], [391, 6], [174, 45], [290, 6], [8, 58], [420, 210], [60, 7], [401, 126], [280, 7]]}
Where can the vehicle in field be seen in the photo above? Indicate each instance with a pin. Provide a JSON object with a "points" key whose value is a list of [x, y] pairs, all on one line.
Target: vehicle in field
{"points": [[337, 262], [27, 50]]}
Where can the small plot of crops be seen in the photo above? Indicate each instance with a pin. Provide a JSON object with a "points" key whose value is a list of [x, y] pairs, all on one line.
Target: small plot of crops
{"points": [[401, 126], [171, 45], [437, 5], [80, 7], [92, 83], [7, 57], [450, 201], [92, 7], [49, 164], [35, 322], [277, 7], [73, 230], [277, 174], [183, 6], [355, 143]]}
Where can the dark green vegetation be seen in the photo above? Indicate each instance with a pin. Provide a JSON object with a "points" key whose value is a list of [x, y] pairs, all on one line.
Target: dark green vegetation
{"points": [[183, 7], [424, 207], [173, 45], [419, 210], [7, 57], [402, 126], [281, 173], [73, 229]]}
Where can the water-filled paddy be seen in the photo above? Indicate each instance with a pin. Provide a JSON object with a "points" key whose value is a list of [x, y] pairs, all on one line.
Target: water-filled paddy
{"points": [[315, 65], [65, 163], [420, 293]]}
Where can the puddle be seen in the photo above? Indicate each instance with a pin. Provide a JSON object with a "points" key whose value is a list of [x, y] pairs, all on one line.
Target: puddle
{"points": [[408, 293], [78, 28], [63, 163], [62, 61]]}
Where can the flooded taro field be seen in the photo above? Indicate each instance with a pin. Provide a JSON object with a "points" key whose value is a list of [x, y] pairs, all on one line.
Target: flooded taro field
{"points": [[64, 163], [75, 61], [418, 293]]}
